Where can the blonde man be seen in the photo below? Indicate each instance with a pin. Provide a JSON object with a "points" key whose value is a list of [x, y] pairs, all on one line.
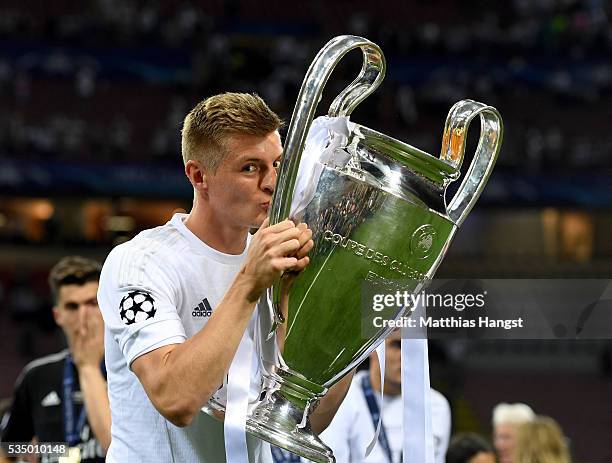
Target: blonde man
{"points": [[178, 299]]}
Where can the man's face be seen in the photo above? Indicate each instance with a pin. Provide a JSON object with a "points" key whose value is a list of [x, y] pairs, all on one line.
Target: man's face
{"points": [[240, 191], [74, 304], [393, 364], [393, 359], [504, 440]]}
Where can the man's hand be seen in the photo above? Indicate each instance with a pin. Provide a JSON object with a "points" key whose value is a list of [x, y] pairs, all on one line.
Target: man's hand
{"points": [[275, 250], [87, 344], [306, 245], [87, 348]]}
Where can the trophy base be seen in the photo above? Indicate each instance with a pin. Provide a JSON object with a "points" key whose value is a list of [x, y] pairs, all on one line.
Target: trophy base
{"points": [[278, 420]]}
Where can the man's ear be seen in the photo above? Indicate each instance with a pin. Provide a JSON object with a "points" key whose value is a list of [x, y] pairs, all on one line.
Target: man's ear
{"points": [[196, 175], [56, 315]]}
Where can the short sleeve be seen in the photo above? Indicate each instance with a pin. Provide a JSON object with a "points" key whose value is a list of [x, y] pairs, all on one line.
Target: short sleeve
{"points": [[17, 424], [138, 298], [441, 424]]}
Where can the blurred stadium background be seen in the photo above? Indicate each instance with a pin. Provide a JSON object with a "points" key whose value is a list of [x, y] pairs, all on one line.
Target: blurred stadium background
{"points": [[92, 96]]}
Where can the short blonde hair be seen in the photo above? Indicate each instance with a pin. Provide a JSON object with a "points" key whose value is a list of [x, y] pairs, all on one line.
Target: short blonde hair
{"points": [[211, 121], [541, 441]]}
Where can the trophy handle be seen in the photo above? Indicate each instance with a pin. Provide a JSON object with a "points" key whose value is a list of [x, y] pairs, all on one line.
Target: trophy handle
{"points": [[371, 75], [453, 150]]}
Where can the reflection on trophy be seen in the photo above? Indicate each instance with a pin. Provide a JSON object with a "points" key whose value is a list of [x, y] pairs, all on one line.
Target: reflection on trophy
{"points": [[378, 212]]}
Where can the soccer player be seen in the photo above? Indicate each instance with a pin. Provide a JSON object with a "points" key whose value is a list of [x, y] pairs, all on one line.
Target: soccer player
{"points": [[63, 397], [177, 299], [353, 426]]}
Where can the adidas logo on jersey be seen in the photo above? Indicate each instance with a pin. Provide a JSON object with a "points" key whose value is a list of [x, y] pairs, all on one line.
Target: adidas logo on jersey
{"points": [[203, 309], [51, 399]]}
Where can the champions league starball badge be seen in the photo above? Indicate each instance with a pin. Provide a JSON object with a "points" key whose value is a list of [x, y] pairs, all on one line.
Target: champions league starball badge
{"points": [[136, 307]]}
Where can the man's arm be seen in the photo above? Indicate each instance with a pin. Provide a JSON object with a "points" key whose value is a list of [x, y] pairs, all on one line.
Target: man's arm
{"points": [[17, 424], [329, 404], [88, 352], [180, 378], [441, 423]]}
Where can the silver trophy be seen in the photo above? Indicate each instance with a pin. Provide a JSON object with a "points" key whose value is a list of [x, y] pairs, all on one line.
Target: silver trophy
{"points": [[379, 217]]}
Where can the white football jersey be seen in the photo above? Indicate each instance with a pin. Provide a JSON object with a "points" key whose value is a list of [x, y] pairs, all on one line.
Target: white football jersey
{"points": [[352, 429], [157, 289]]}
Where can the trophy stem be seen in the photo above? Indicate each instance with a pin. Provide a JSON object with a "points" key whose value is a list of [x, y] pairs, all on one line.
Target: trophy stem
{"points": [[281, 418]]}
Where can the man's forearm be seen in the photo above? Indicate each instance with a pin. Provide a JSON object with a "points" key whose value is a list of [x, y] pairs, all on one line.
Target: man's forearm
{"points": [[329, 404], [179, 379], [191, 372], [95, 395]]}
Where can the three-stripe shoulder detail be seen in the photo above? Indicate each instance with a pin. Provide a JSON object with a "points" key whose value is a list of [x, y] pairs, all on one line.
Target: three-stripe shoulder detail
{"points": [[142, 250]]}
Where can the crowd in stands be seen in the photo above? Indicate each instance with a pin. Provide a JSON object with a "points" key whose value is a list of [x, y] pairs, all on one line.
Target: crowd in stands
{"points": [[111, 82]]}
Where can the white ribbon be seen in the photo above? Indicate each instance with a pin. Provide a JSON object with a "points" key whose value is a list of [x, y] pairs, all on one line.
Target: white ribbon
{"points": [[236, 409], [325, 136], [418, 445], [380, 352]]}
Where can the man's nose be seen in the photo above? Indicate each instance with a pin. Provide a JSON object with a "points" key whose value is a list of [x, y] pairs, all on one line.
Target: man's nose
{"points": [[268, 182], [82, 315]]}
